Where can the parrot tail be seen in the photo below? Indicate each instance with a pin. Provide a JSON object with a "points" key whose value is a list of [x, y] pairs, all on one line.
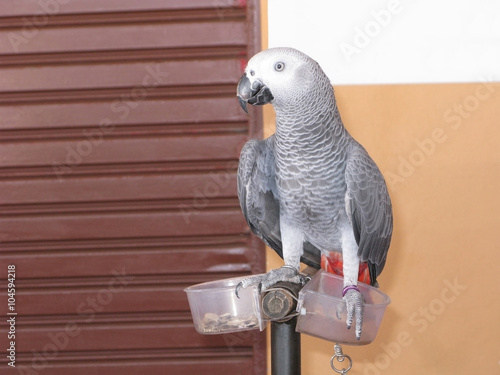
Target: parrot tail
{"points": [[333, 263]]}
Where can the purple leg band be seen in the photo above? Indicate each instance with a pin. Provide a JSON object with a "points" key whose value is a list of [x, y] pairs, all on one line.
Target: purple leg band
{"points": [[349, 287]]}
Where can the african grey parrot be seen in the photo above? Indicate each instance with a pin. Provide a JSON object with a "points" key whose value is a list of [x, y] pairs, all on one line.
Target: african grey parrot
{"points": [[310, 191]]}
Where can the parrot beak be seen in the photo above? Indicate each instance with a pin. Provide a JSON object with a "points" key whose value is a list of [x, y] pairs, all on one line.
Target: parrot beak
{"points": [[255, 93]]}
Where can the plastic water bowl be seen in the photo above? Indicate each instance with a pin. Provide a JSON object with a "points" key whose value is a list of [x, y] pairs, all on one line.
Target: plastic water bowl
{"points": [[216, 309], [323, 311]]}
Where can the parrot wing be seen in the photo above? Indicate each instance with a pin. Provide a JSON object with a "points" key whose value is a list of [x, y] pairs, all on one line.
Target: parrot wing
{"points": [[259, 200], [369, 209]]}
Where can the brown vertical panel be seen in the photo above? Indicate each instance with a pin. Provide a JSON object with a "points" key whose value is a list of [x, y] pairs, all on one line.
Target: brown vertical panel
{"points": [[119, 140]]}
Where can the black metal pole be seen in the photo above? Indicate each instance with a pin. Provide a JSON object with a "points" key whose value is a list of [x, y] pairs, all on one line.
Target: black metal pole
{"points": [[285, 348], [279, 304]]}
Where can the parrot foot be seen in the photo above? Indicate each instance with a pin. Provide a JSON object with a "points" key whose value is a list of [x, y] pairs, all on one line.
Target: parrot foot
{"points": [[267, 280], [355, 308]]}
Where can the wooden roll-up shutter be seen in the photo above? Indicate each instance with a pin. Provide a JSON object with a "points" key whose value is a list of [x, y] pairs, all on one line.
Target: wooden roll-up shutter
{"points": [[120, 136]]}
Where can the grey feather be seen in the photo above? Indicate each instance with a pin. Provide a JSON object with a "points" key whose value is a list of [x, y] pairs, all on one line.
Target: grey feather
{"points": [[257, 193], [369, 208]]}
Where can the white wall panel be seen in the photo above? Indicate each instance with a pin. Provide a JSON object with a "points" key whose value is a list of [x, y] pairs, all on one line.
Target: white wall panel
{"points": [[393, 41]]}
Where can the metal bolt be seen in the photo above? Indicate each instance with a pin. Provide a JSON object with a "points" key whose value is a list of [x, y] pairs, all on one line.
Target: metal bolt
{"points": [[278, 302]]}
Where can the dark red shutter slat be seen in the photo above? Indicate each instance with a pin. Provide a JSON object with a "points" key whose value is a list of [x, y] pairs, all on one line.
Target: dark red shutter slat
{"points": [[119, 141]]}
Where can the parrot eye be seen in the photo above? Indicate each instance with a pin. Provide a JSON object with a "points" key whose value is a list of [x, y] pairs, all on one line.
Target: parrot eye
{"points": [[279, 66]]}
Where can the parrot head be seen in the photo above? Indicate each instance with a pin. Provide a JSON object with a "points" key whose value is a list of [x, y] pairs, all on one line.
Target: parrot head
{"points": [[278, 75]]}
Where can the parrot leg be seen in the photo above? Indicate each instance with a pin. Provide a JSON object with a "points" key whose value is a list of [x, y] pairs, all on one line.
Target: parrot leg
{"points": [[293, 247], [352, 296]]}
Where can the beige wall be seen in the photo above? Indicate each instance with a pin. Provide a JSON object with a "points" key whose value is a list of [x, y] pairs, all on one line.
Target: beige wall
{"points": [[439, 149]]}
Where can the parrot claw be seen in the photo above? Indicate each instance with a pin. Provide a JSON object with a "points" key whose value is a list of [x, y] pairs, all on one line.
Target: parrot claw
{"points": [[252, 280], [237, 290], [355, 308], [267, 280]]}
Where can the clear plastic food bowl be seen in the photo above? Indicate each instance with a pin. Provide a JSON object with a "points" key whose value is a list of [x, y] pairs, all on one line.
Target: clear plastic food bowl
{"points": [[216, 309], [323, 311]]}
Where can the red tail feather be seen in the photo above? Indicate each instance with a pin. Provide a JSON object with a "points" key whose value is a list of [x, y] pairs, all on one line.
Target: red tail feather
{"points": [[334, 264]]}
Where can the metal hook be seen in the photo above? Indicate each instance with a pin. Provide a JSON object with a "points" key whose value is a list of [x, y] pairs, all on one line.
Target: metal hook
{"points": [[340, 356]]}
